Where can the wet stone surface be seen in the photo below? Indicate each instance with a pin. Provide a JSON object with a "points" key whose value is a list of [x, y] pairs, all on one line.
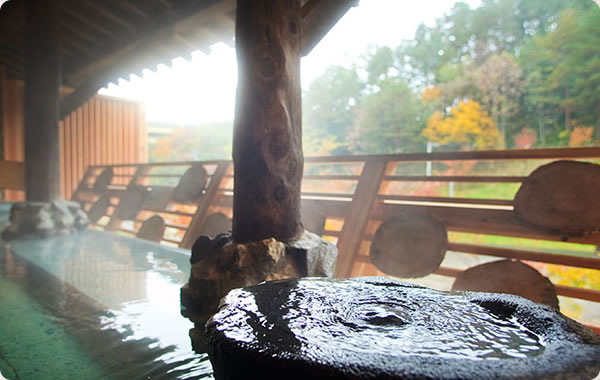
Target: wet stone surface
{"points": [[377, 328]]}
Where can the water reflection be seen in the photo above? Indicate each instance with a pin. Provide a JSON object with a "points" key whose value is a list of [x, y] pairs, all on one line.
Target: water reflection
{"points": [[118, 297]]}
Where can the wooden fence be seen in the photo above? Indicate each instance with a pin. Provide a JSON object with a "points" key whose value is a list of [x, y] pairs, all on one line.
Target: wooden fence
{"points": [[469, 192], [102, 131]]}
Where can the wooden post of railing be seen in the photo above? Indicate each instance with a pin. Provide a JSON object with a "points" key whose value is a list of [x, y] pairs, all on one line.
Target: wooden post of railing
{"points": [[82, 183], [114, 222], [193, 231], [358, 217]]}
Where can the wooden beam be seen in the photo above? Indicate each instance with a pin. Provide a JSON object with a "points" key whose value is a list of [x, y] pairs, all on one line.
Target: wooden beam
{"points": [[42, 100], [318, 17], [104, 8], [74, 9], [108, 62], [267, 143], [12, 20]]}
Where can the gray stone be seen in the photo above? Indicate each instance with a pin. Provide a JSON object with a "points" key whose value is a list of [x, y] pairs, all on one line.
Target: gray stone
{"points": [[45, 219], [377, 328], [321, 255], [62, 215]]}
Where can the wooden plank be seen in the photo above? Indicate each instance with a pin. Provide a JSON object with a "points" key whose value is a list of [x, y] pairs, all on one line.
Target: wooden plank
{"points": [[469, 201], [85, 126], [42, 100], [542, 257], [494, 179], [100, 8], [12, 175], [105, 134], [580, 293], [312, 194], [206, 201], [74, 9], [483, 221], [512, 154], [80, 139], [331, 177], [66, 152], [360, 211], [98, 142]]}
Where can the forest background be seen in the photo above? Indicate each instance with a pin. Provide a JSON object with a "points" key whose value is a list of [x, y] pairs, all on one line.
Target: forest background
{"points": [[506, 74]]}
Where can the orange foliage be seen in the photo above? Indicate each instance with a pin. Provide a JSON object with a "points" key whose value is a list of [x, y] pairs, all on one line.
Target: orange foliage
{"points": [[431, 94], [581, 136], [468, 124], [526, 139]]}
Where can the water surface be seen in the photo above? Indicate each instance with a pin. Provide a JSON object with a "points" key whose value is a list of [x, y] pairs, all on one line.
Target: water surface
{"points": [[94, 305]]}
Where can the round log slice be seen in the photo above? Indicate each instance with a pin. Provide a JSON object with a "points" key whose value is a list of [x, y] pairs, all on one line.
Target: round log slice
{"points": [[562, 198], [98, 209], [131, 203], [376, 328], [103, 180], [191, 185], [511, 277], [411, 244], [215, 224], [152, 229]]}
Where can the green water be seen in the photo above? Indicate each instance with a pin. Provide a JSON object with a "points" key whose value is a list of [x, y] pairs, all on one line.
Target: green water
{"points": [[94, 306]]}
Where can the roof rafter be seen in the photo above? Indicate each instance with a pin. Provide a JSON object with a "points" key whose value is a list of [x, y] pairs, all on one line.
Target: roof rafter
{"points": [[170, 27], [111, 62], [318, 17]]}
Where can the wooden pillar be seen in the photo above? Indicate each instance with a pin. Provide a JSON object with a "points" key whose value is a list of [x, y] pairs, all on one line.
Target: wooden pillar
{"points": [[267, 143], [2, 117], [42, 100]]}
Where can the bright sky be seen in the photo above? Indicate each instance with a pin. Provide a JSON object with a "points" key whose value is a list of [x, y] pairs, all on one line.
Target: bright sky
{"points": [[203, 90]]}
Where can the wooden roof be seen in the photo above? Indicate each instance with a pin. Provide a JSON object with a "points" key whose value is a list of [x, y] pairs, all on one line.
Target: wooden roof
{"points": [[104, 40]]}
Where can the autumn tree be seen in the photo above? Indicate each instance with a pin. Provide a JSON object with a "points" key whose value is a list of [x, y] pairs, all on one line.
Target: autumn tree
{"points": [[467, 125], [500, 84]]}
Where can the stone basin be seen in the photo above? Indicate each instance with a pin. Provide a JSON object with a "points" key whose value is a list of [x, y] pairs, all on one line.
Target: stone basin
{"points": [[367, 328]]}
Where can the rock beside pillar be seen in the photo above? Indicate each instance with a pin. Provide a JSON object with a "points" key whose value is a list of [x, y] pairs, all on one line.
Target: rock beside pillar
{"points": [[220, 265]]}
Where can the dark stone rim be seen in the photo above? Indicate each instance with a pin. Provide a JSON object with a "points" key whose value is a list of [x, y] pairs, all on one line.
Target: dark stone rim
{"points": [[571, 350]]}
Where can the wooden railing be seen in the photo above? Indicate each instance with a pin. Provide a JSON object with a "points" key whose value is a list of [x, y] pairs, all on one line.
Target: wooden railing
{"points": [[469, 192]]}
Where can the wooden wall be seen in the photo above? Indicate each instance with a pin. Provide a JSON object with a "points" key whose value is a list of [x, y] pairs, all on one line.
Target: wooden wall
{"points": [[103, 131]]}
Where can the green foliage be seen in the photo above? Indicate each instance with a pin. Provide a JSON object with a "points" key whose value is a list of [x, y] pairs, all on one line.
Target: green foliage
{"points": [[531, 65], [329, 105], [390, 121]]}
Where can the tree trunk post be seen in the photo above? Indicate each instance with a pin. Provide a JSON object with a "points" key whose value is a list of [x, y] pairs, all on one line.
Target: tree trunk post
{"points": [[267, 146], [42, 100]]}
